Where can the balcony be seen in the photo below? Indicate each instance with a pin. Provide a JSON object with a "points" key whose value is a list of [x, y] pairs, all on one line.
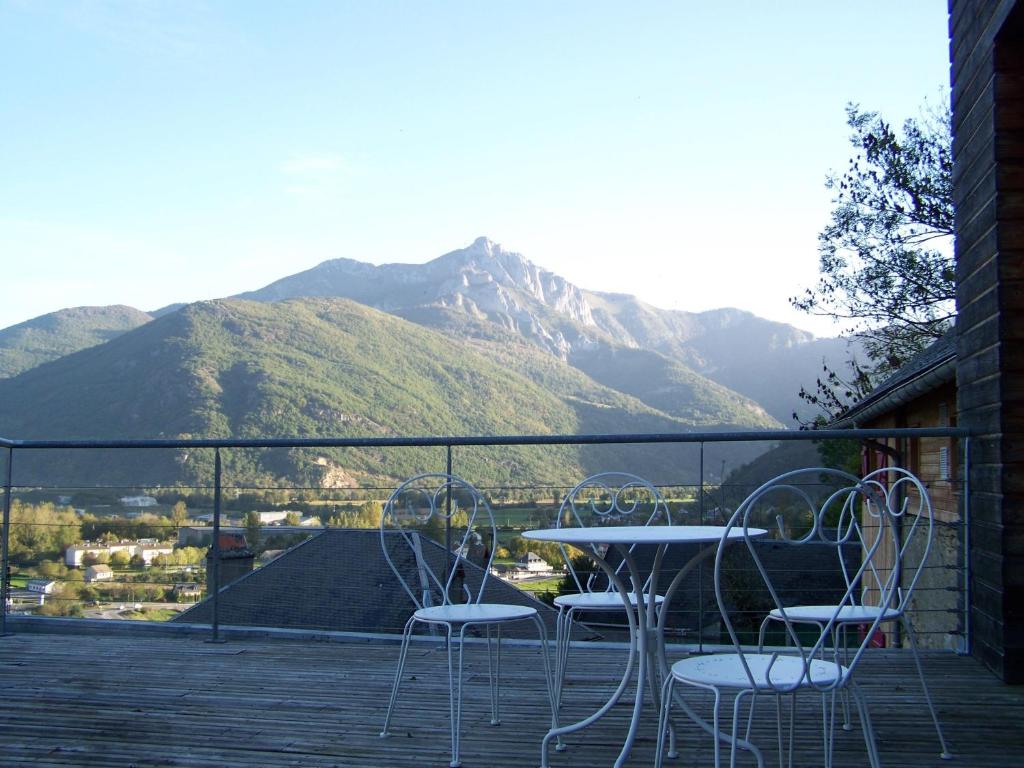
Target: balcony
{"points": [[263, 672], [132, 698]]}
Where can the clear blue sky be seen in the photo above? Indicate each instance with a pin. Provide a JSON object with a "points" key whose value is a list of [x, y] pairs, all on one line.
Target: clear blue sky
{"points": [[156, 151]]}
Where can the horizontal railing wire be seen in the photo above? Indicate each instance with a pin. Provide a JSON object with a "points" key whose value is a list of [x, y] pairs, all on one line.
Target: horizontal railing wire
{"points": [[696, 502]]}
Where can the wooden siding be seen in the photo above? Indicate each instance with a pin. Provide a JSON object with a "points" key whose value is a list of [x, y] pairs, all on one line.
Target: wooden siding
{"points": [[922, 456], [988, 150], [120, 701]]}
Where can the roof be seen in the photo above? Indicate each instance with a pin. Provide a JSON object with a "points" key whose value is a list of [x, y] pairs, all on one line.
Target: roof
{"points": [[923, 373], [338, 580]]}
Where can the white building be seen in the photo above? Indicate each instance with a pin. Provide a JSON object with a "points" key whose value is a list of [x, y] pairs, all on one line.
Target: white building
{"points": [[147, 549], [98, 572], [42, 586], [137, 501], [529, 566], [533, 563]]}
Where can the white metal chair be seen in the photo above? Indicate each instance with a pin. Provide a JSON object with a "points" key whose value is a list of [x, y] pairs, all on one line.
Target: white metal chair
{"points": [[447, 587], [747, 674], [914, 520], [608, 498]]}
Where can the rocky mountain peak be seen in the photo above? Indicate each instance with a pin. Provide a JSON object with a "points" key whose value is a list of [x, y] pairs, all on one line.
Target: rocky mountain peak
{"points": [[487, 267]]}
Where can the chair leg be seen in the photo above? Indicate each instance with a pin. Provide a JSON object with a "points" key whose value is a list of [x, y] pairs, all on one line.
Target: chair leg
{"points": [[562, 644], [845, 694], [908, 631], [493, 671], [865, 721], [406, 637], [663, 713], [735, 739], [549, 680], [716, 723], [778, 729], [828, 721], [455, 693], [792, 726]]}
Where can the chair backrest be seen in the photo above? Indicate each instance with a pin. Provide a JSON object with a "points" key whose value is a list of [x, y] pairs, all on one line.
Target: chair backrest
{"points": [[914, 522], [830, 496], [609, 498], [421, 519]]}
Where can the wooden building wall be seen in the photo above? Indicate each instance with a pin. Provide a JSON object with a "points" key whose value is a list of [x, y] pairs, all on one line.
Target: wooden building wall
{"points": [[936, 610], [987, 54], [924, 456]]}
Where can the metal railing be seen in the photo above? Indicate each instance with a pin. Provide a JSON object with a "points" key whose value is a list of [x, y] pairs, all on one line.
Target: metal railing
{"points": [[703, 497]]}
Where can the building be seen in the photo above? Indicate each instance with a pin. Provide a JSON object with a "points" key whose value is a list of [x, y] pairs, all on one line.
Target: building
{"points": [[41, 586], [98, 572], [529, 566], [147, 549], [987, 56], [137, 501], [187, 591], [315, 586], [923, 394]]}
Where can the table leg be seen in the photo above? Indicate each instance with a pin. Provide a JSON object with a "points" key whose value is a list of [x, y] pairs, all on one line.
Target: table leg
{"points": [[637, 650]]}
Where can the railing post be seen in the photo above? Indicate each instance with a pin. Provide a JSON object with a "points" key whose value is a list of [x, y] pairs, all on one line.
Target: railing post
{"points": [[700, 567], [215, 550], [5, 562], [448, 515]]}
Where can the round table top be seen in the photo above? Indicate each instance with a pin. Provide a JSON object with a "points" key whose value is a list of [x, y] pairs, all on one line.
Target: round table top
{"points": [[640, 534]]}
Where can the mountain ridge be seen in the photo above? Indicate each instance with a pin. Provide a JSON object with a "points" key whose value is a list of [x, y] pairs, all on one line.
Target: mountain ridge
{"points": [[321, 367]]}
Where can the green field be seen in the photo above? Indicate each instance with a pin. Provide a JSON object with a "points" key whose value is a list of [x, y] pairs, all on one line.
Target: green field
{"points": [[543, 585]]}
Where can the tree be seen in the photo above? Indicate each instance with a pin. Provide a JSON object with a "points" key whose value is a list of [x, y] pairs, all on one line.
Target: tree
{"points": [[179, 514], [886, 255], [253, 530], [120, 559]]}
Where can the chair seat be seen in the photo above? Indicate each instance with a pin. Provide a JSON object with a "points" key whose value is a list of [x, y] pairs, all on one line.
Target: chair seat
{"points": [[849, 614], [474, 613], [603, 601], [726, 670]]}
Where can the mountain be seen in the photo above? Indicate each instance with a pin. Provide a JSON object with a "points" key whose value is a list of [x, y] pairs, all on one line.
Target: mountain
{"points": [[56, 334], [481, 282], [324, 367], [486, 291], [765, 360]]}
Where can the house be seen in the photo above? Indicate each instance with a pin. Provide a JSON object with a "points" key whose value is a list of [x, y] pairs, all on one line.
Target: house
{"points": [[923, 393], [187, 591], [987, 52], [147, 549], [529, 566], [268, 518], [98, 572], [314, 586], [41, 586], [534, 564], [137, 501]]}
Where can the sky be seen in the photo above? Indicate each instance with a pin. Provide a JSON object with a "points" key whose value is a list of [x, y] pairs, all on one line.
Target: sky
{"points": [[160, 151]]}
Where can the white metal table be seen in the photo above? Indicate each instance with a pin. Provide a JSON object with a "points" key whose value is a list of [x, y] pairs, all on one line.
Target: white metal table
{"points": [[646, 625]]}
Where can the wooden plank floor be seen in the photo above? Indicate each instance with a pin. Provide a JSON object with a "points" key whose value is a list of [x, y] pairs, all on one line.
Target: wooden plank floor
{"points": [[86, 700]]}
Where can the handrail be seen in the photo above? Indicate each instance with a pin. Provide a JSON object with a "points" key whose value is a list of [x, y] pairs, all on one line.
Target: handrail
{"points": [[482, 440], [449, 442]]}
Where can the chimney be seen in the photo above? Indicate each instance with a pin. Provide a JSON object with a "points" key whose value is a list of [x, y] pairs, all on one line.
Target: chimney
{"points": [[236, 560]]}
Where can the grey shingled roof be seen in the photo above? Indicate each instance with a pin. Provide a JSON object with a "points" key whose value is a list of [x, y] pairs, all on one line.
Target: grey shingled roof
{"points": [[934, 366], [338, 580]]}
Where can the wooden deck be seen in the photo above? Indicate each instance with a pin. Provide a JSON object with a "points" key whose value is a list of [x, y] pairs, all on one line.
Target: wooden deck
{"points": [[136, 700]]}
